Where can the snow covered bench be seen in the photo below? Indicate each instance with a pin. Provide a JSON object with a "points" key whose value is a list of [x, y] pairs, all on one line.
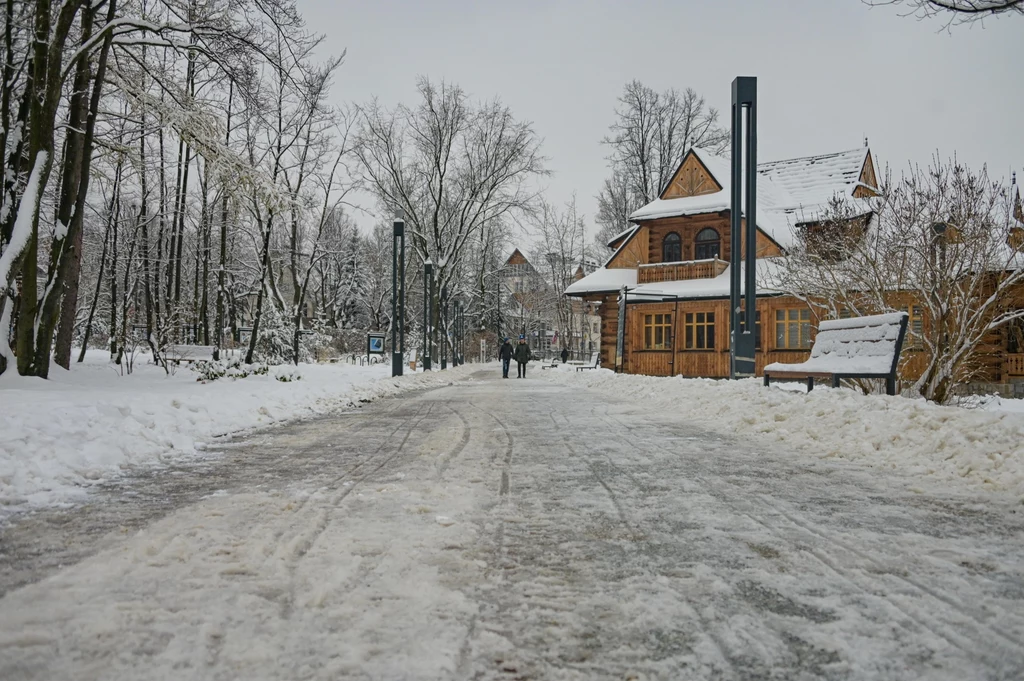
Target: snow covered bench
{"points": [[860, 347], [188, 353]]}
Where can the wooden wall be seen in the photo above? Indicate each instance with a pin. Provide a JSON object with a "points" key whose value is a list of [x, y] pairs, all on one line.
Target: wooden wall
{"points": [[703, 363], [634, 253], [687, 227]]}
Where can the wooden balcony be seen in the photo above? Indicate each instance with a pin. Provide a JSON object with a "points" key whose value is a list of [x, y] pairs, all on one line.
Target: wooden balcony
{"points": [[1015, 364], [676, 271]]}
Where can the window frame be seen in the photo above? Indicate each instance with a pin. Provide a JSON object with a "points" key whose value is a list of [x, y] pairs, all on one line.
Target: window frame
{"points": [[698, 328], [915, 325], [700, 245], [798, 318], [657, 325], [677, 243]]}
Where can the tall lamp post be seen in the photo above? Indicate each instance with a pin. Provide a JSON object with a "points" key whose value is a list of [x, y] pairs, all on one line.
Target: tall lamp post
{"points": [[444, 327], [428, 299], [456, 306], [742, 347], [398, 298]]}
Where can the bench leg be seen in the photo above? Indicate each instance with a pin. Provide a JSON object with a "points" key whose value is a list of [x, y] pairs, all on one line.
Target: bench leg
{"points": [[810, 383], [766, 380], [835, 381], [890, 385]]}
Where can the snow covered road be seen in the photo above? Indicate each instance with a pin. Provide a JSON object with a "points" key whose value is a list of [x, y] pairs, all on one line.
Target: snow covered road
{"points": [[513, 530]]}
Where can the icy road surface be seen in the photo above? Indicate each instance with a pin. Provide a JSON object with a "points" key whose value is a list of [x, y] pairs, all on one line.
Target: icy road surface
{"points": [[513, 530]]}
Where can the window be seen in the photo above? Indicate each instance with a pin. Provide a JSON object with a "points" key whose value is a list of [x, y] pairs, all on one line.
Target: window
{"points": [[793, 329], [915, 327], [657, 332], [700, 330], [671, 248], [707, 245], [757, 328]]}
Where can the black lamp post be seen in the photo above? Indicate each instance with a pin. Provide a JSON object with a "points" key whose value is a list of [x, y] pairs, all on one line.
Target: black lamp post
{"points": [[428, 296], [742, 347], [398, 298], [444, 327]]}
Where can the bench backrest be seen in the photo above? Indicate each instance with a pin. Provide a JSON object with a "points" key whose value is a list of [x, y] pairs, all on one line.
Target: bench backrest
{"points": [[869, 344], [595, 358]]}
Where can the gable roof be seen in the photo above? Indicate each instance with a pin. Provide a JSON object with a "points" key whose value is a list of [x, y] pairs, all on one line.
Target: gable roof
{"points": [[788, 192]]}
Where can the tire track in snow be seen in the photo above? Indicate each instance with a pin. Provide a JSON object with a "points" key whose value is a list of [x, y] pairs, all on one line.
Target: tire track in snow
{"points": [[445, 460]]}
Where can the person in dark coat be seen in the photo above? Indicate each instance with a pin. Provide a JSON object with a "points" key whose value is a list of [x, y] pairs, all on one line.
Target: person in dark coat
{"points": [[565, 355], [505, 355], [522, 356]]}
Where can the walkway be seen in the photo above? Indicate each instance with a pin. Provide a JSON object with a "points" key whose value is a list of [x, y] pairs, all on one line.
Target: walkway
{"points": [[512, 530]]}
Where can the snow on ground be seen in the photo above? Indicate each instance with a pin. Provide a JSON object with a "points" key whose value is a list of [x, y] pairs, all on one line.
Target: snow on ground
{"points": [[983, 447], [85, 426]]}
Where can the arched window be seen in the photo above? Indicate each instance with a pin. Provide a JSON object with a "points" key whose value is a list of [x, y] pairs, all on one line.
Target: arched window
{"points": [[707, 245], [671, 248]]}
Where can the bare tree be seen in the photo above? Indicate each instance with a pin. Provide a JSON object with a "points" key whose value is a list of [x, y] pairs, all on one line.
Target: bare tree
{"points": [[944, 241], [956, 11], [450, 168], [651, 132], [560, 251]]}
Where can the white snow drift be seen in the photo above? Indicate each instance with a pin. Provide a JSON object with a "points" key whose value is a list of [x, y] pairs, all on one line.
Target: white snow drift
{"points": [[85, 426], [983, 447]]}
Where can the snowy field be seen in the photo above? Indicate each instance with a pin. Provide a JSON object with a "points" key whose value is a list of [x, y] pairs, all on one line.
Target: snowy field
{"points": [[88, 425], [982, 446]]}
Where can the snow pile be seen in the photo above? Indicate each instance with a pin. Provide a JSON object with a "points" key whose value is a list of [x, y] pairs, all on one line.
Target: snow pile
{"points": [[87, 425], [984, 447]]}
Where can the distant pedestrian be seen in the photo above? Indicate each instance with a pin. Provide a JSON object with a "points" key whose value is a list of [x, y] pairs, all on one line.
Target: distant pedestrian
{"points": [[505, 355], [565, 355], [522, 356]]}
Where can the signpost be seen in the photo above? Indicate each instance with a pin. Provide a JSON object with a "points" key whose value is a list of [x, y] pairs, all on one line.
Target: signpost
{"points": [[374, 345], [741, 347]]}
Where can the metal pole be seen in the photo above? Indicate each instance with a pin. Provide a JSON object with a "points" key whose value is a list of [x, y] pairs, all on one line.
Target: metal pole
{"points": [[398, 298], [735, 225], [444, 327], [455, 333], [428, 295], [742, 345], [751, 259]]}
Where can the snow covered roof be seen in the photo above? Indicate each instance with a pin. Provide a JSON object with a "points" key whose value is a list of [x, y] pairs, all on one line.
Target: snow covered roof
{"points": [[603, 280], [816, 179], [788, 192], [626, 232], [714, 287]]}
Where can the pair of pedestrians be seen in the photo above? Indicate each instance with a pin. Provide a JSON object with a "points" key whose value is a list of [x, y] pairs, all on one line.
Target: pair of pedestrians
{"points": [[520, 353]]}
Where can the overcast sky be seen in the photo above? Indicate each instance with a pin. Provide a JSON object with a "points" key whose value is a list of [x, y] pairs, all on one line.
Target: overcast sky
{"points": [[830, 72]]}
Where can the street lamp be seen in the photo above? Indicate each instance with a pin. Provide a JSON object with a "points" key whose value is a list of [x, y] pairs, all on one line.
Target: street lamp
{"points": [[444, 327], [428, 308], [398, 298]]}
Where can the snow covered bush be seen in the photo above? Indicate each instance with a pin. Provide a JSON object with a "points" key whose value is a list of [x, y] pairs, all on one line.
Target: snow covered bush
{"points": [[211, 370]]}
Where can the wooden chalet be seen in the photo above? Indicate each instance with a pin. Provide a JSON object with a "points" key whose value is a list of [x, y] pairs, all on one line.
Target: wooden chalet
{"points": [[673, 263]]}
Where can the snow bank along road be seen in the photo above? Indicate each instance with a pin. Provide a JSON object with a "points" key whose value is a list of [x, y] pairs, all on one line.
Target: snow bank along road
{"points": [[513, 530]]}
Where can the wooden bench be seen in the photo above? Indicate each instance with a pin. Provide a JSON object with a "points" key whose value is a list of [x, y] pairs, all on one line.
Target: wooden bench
{"points": [[595, 362], [859, 347]]}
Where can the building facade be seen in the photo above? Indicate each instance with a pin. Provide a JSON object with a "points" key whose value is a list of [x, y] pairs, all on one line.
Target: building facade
{"points": [[672, 266]]}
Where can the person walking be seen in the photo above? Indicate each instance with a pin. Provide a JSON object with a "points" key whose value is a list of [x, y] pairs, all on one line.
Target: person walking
{"points": [[565, 355], [505, 354], [522, 356]]}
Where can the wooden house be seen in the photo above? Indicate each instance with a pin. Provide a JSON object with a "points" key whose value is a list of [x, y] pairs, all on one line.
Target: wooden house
{"points": [[673, 264]]}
